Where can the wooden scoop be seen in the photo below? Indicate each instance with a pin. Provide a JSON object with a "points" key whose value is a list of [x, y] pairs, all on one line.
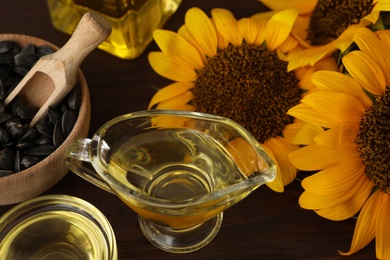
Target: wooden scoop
{"points": [[54, 75]]}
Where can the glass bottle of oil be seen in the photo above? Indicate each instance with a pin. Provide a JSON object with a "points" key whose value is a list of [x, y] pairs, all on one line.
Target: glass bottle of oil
{"points": [[132, 21]]}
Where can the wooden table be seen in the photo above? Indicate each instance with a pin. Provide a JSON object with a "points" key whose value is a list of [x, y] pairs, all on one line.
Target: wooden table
{"points": [[265, 225]]}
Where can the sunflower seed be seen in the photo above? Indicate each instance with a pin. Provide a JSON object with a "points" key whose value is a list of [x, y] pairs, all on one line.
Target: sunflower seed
{"points": [[42, 139], [74, 99], [14, 105], [4, 117], [41, 150], [20, 71], [69, 118], [17, 163], [45, 128], [58, 136], [29, 135], [24, 145], [9, 145], [54, 115], [4, 173], [3, 92], [5, 137], [6, 58], [15, 127], [25, 60], [26, 112], [28, 48], [11, 82], [30, 160], [6, 46], [44, 50], [7, 158], [4, 71]]}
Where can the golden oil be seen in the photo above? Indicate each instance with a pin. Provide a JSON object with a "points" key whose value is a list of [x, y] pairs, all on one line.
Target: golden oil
{"points": [[132, 21], [56, 227]]}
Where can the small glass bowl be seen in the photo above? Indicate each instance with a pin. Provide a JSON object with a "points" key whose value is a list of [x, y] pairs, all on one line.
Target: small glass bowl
{"points": [[56, 227]]}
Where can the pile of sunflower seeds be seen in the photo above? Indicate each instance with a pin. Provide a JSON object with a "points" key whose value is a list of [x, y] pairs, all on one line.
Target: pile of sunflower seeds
{"points": [[22, 146]]}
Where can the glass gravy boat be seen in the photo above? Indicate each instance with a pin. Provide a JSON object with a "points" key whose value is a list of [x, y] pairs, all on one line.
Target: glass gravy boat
{"points": [[177, 170]]}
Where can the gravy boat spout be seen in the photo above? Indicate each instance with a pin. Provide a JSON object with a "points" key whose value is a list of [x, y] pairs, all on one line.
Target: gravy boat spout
{"points": [[177, 170]]}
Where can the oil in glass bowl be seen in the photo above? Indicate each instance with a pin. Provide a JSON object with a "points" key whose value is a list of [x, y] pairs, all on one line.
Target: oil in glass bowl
{"points": [[174, 165], [56, 227]]}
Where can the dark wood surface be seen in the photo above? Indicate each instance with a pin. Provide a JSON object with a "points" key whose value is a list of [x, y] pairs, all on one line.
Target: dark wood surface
{"points": [[265, 225]]}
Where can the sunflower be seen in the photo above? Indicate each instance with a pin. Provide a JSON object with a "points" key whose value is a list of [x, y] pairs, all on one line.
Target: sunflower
{"points": [[352, 156], [234, 68], [327, 25]]}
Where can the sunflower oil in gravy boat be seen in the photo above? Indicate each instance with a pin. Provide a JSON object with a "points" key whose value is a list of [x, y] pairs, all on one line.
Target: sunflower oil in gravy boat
{"points": [[177, 170]]}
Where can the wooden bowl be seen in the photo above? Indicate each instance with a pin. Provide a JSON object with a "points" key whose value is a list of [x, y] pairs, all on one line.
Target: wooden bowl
{"points": [[43, 175]]}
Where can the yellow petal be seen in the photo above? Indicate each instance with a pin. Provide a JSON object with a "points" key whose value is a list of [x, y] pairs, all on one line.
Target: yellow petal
{"points": [[200, 27], [384, 36], [171, 91], [289, 44], [264, 16], [371, 18], [338, 137], [183, 32], [227, 25], [309, 200], [164, 121], [343, 45], [344, 41], [335, 179], [382, 229], [338, 106], [280, 148], [260, 39], [311, 116], [252, 30], [178, 49], [176, 101], [369, 43], [349, 208], [165, 67], [300, 28], [382, 6], [279, 27], [326, 64], [303, 6], [365, 227], [314, 157], [339, 82], [222, 41], [237, 148], [314, 54], [306, 79], [301, 133], [301, 72], [310, 56], [277, 184], [246, 158], [364, 69]]}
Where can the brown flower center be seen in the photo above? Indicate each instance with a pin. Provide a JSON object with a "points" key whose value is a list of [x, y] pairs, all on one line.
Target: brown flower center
{"points": [[249, 85], [330, 18], [374, 141]]}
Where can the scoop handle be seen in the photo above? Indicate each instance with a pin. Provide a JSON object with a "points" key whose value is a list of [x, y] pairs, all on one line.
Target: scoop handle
{"points": [[91, 31], [62, 65]]}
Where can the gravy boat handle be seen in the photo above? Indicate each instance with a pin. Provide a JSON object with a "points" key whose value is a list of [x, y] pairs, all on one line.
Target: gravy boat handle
{"points": [[78, 160]]}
